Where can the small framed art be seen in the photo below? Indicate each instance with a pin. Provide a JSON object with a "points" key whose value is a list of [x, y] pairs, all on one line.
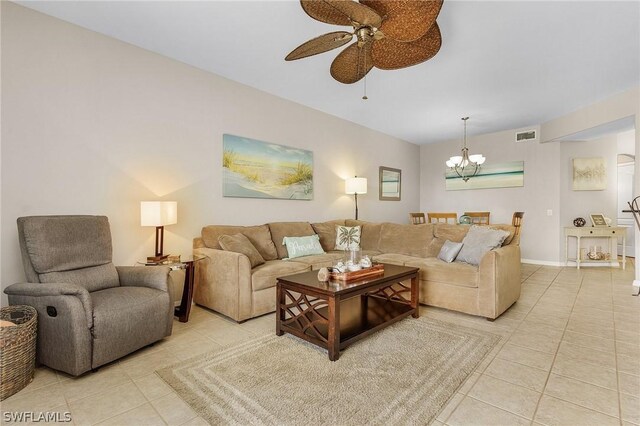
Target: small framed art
{"points": [[598, 220]]}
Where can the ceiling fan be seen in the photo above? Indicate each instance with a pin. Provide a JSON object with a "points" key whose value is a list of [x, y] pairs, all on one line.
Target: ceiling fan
{"points": [[390, 34]]}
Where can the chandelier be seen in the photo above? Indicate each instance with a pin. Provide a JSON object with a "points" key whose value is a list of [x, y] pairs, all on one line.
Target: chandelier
{"points": [[465, 165]]}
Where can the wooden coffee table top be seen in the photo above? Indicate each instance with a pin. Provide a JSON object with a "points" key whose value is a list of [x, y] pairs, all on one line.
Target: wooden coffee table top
{"points": [[309, 279]]}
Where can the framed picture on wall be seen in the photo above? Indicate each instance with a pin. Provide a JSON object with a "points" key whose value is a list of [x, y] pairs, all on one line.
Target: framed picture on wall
{"points": [[390, 184], [598, 220]]}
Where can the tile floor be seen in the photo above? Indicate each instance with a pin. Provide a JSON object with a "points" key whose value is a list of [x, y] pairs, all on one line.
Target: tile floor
{"points": [[570, 355]]}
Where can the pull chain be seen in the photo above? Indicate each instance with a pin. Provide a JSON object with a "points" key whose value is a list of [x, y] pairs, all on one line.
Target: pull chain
{"points": [[365, 89]]}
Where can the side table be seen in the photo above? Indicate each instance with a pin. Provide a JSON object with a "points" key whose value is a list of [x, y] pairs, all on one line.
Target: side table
{"points": [[188, 264]]}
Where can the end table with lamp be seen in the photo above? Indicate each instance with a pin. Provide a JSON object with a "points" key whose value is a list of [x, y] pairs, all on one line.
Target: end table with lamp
{"points": [[186, 263]]}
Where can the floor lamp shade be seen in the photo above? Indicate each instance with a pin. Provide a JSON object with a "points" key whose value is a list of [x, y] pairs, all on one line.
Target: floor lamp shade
{"points": [[354, 186], [158, 214]]}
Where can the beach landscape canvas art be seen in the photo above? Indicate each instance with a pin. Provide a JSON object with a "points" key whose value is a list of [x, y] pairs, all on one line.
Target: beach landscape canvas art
{"points": [[256, 169], [589, 174], [499, 175]]}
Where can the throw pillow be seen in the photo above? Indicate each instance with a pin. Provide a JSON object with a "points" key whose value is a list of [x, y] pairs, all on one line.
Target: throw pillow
{"points": [[347, 237], [239, 243], [449, 251], [478, 241], [302, 246]]}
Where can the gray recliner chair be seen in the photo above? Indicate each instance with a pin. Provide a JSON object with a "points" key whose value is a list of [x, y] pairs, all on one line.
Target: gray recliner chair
{"points": [[90, 312]]}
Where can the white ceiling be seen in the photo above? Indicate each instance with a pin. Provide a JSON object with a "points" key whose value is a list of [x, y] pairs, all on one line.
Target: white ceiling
{"points": [[504, 64]]}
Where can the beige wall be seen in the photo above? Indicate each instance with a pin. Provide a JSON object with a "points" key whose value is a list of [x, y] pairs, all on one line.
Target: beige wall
{"points": [[547, 169], [92, 125], [539, 193]]}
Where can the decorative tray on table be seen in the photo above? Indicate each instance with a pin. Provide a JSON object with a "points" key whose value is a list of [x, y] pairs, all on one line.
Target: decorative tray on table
{"points": [[373, 271]]}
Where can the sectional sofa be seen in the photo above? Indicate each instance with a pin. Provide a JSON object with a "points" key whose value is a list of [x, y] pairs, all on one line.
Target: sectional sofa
{"points": [[226, 283]]}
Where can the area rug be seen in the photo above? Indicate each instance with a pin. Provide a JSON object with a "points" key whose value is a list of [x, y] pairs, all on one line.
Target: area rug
{"points": [[403, 374]]}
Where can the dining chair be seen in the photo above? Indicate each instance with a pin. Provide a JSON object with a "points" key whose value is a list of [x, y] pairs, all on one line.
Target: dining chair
{"points": [[517, 222], [478, 218], [417, 218], [442, 217]]}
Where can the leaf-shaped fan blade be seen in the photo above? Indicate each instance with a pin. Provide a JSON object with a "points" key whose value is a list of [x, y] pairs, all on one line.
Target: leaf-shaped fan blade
{"points": [[341, 12], [321, 44], [389, 54], [352, 63], [406, 20]]}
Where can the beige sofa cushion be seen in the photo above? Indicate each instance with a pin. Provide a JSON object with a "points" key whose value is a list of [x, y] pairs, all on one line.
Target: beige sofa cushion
{"points": [[456, 273], [317, 261], [279, 230], [413, 240], [327, 233], [266, 275], [260, 237], [394, 258], [369, 233], [238, 243]]}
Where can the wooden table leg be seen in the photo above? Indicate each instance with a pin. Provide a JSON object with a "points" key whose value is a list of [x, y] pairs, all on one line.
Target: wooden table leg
{"points": [[415, 299], [183, 311], [333, 338], [279, 308]]}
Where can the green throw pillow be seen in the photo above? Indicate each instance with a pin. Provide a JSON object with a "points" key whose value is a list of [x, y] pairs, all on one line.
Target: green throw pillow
{"points": [[347, 237], [302, 246]]}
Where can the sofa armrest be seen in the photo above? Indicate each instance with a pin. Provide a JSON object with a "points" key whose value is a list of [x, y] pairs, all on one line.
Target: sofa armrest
{"points": [[499, 281], [223, 282], [39, 290], [156, 277]]}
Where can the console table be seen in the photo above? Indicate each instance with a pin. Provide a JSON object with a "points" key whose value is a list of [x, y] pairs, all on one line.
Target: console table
{"points": [[610, 232]]}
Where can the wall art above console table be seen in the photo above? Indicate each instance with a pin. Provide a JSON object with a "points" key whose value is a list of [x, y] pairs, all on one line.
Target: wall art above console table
{"points": [[612, 233]]}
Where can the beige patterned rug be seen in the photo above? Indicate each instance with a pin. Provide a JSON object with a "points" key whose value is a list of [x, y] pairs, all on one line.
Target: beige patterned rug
{"points": [[403, 374]]}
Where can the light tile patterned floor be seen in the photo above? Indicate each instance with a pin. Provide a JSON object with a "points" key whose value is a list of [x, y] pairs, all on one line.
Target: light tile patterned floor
{"points": [[570, 355]]}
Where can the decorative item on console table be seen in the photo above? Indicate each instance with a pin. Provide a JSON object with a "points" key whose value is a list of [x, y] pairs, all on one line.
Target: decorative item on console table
{"points": [[598, 220], [579, 222]]}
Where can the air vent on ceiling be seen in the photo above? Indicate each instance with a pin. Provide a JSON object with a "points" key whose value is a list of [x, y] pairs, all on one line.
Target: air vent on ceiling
{"points": [[526, 136]]}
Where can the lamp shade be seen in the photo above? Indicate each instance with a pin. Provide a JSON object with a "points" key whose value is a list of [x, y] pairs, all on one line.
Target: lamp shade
{"points": [[355, 185], [158, 213]]}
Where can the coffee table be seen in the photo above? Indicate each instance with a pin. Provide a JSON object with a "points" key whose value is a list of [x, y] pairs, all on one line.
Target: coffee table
{"points": [[335, 314]]}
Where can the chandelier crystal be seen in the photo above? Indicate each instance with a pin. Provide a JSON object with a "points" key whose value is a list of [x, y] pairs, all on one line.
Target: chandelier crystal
{"points": [[465, 165]]}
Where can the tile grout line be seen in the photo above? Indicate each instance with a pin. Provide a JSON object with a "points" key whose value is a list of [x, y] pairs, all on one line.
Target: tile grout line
{"points": [[555, 355], [506, 339], [615, 356]]}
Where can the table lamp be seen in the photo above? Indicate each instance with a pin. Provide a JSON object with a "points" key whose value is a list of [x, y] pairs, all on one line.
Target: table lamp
{"points": [[355, 185], [158, 214]]}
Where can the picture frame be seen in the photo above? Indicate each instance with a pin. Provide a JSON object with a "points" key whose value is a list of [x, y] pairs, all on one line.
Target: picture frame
{"points": [[598, 220], [390, 184]]}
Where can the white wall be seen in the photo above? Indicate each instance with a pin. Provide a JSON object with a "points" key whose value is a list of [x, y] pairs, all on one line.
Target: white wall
{"points": [[539, 193], [92, 125]]}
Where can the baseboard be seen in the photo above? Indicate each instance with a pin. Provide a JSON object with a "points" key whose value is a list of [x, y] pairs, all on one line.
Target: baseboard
{"points": [[571, 263], [541, 262]]}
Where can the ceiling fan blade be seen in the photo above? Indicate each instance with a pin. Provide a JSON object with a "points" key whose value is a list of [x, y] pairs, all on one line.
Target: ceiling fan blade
{"points": [[388, 54], [341, 12], [352, 63], [321, 44], [406, 20]]}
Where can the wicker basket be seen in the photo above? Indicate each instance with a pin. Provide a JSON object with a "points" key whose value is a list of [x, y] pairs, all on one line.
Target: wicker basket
{"points": [[17, 349]]}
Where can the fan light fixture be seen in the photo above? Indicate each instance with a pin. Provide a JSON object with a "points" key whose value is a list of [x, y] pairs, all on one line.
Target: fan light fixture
{"points": [[465, 165], [389, 34]]}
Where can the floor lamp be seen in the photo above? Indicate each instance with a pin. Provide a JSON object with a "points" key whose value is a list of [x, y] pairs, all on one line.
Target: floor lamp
{"points": [[158, 214], [354, 186]]}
